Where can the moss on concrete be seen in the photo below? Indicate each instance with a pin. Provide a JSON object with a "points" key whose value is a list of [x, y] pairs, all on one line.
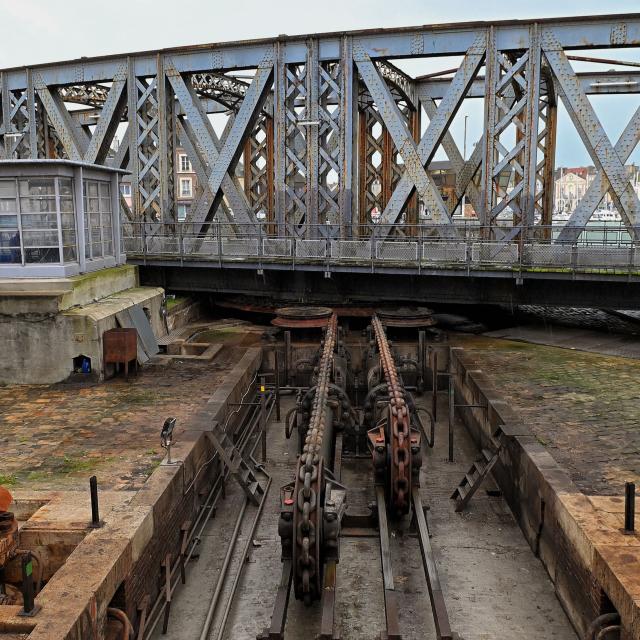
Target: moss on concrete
{"points": [[111, 272], [175, 301], [583, 406]]}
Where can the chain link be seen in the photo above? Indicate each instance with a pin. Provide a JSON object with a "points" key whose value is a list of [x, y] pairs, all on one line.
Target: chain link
{"points": [[400, 472], [309, 474]]}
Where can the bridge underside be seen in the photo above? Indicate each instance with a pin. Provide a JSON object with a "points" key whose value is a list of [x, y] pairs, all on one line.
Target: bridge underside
{"points": [[353, 286]]}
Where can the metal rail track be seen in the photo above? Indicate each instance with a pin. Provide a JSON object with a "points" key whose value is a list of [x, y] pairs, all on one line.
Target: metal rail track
{"points": [[175, 575], [397, 494]]}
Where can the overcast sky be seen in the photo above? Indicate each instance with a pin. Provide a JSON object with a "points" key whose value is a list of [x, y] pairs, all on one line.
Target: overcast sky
{"points": [[36, 31]]}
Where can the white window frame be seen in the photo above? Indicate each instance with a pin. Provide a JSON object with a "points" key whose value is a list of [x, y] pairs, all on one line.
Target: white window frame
{"points": [[181, 158], [182, 193], [125, 189], [186, 207]]}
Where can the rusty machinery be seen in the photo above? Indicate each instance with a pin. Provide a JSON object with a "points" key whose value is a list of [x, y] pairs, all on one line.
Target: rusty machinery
{"points": [[393, 440], [312, 508], [310, 521], [11, 555], [8, 540]]}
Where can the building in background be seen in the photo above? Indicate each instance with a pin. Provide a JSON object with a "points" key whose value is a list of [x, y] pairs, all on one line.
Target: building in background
{"points": [[186, 183], [185, 180], [571, 184]]}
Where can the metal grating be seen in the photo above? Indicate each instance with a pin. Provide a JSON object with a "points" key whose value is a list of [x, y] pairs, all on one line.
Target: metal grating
{"points": [[556, 255], [311, 248], [449, 252], [132, 245], [494, 253], [237, 247], [398, 250], [276, 247], [351, 249], [209, 247], [603, 256], [163, 244]]}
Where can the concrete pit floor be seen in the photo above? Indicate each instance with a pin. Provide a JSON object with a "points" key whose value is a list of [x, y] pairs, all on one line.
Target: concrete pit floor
{"points": [[495, 589]]}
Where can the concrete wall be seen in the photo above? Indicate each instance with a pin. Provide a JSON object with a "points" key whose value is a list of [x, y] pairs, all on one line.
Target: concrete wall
{"points": [[94, 286], [46, 322], [184, 313], [40, 343]]}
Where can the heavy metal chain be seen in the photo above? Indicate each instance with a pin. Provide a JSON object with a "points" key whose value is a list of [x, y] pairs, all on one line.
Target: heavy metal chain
{"points": [[400, 472], [309, 474]]}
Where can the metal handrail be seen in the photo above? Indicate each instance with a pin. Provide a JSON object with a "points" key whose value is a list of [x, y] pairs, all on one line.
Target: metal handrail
{"points": [[475, 247]]}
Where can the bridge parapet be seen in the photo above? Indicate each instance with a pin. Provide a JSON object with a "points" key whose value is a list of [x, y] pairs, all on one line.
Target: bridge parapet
{"points": [[601, 249]]}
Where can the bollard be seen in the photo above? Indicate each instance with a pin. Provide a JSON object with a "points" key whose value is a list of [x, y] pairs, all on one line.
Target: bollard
{"points": [[95, 511], [29, 607], [629, 507]]}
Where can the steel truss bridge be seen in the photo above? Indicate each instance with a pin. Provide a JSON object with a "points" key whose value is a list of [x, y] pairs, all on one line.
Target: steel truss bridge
{"points": [[322, 130]]}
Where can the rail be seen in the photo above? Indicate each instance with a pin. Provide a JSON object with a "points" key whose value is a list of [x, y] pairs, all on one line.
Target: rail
{"points": [[601, 248]]}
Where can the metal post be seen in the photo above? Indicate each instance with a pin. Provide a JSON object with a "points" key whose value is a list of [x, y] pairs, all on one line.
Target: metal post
{"points": [[263, 419], [276, 365], [421, 359], [434, 392], [287, 357], [29, 608], [95, 511], [452, 412], [629, 507]]}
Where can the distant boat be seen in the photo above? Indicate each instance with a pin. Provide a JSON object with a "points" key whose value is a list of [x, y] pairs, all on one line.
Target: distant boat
{"points": [[604, 215]]}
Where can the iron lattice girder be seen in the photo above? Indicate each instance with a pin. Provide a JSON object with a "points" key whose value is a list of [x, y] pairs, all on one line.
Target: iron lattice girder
{"points": [[219, 87], [314, 105], [457, 161], [204, 137], [440, 121], [592, 83], [199, 166], [592, 133], [585, 32], [417, 158], [598, 189], [402, 139]]}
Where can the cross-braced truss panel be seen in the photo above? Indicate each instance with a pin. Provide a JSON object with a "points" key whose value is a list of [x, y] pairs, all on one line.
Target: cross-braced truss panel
{"points": [[323, 135]]}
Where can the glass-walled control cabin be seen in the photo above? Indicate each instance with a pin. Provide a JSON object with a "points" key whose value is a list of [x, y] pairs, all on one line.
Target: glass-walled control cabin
{"points": [[58, 218]]}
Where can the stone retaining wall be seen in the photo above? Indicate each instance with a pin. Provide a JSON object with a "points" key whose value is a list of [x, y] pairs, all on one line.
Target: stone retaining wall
{"points": [[557, 519]]}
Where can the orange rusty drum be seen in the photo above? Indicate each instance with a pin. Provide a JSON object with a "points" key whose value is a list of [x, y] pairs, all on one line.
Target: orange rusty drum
{"points": [[5, 499]]}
